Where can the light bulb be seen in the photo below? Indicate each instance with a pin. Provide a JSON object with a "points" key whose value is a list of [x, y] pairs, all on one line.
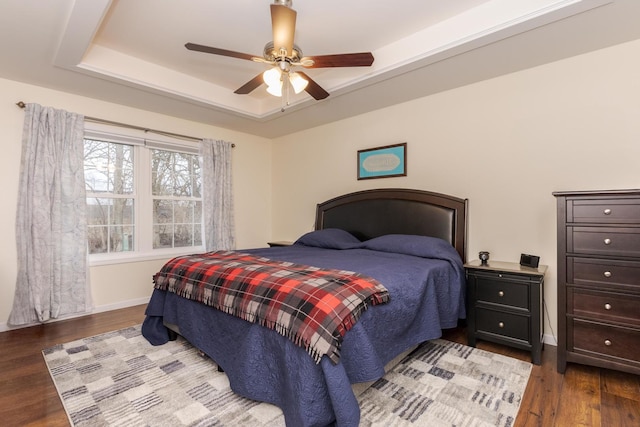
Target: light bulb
{"points": [[275, 90], [272, 77], [298, 82]]}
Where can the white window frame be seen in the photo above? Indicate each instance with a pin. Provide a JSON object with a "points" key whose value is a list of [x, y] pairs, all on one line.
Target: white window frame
{"points": [[143, 204]]}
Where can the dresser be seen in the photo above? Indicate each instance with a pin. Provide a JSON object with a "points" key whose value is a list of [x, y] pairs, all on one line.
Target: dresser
{"points": [[599, 279], [504, 305]]}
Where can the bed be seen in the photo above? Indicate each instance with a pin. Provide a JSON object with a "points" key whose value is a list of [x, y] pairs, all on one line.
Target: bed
{"points": [[412, 242]]}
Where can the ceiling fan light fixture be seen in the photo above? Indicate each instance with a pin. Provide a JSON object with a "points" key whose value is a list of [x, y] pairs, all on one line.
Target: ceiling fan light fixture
{"points": [[272, 77], [298, 82], [283, 54], [275, 90]]}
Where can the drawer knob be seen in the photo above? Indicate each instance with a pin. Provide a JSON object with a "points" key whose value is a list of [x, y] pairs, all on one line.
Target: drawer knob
{"points": [[607, 306], [607, 211], [607, 342], [501, 324], [607, 274], [607, 241], [501, 293]]}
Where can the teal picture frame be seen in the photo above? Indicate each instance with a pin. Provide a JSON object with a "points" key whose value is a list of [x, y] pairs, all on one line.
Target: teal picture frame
{"points": [[383, 162]]}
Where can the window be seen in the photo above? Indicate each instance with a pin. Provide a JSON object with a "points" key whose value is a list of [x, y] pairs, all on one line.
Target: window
{"points": [[108, 174], [144, 198], [177, 204]]}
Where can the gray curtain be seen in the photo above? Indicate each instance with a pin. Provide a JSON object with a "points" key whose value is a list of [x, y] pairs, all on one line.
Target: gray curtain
{"points": [[51, 227], [217, 195]]}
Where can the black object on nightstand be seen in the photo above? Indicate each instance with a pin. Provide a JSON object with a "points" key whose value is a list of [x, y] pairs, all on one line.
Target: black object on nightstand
{"points": [[504, 305]]}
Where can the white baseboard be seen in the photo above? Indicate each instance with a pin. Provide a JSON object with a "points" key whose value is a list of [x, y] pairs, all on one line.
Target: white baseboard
{"points": [[550, 339], [100, 309]]}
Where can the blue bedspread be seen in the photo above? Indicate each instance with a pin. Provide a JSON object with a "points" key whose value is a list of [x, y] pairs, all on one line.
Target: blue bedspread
{"points": [[426, 282]]}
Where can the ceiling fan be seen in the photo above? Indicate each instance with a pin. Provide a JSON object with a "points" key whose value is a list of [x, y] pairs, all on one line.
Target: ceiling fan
{"points": [[283, 55]]}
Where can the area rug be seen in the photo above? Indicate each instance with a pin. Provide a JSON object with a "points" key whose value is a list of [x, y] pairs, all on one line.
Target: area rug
{"points": [[119, 379]]}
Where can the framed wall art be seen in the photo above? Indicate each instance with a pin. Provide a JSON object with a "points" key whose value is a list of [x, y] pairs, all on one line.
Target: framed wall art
{"points": [[383, 162]]}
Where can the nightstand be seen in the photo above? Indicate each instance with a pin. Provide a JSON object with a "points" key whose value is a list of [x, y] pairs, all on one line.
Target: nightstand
{"points": [[505, 305], [280, 243]]}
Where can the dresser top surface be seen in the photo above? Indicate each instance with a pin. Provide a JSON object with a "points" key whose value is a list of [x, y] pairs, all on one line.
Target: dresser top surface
{"points": [[595, 193], [510, 267]]}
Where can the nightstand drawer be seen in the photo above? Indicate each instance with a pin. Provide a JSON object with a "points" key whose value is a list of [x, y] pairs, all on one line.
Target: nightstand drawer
{"points": [[613, 211], [604, 306], [501, 323], [502, 291], [593, 271], [609, 241], [606, 340]]}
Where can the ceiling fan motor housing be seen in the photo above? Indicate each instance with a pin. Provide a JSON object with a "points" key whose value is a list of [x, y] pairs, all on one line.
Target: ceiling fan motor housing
{"points": [[287, 3], [272, 55]]}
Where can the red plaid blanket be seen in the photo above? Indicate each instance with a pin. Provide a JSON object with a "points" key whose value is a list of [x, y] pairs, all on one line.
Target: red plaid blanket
{"points": [[313, 307]]}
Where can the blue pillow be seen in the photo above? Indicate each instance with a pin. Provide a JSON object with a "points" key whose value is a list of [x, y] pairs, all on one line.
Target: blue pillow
{"points": [[329, 238], [420, 246]]}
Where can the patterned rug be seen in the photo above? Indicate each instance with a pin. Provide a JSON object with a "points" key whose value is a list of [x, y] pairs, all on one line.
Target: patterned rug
{"points": [[119, 379]]}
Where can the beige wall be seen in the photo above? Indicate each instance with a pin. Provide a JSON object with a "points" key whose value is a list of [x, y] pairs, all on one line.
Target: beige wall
{"points": [[120, 285], [505, 144]]}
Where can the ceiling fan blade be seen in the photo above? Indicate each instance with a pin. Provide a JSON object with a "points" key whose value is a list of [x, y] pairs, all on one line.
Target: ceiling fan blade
{"points": [[216, 51], [364, 59], [313, 88], [249, 86], [283, 23]]}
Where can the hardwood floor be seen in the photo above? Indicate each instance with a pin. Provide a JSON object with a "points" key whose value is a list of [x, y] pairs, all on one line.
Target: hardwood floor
{"points": [[27, 395], [584, 396]]}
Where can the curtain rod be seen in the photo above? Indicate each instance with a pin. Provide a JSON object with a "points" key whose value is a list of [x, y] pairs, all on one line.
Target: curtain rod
{"points": [[124, 125]]}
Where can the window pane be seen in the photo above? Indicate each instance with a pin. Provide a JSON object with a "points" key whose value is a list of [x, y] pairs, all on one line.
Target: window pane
{"points": [[108, 167], [175, 174], [121, 212], [183, 235], [162, 236], [161, 173], [177, 223], [98, 240], [183, 212], [120, 238], [197, 213], [197, 235], [97, 211], [162, 211], [107, 210]]}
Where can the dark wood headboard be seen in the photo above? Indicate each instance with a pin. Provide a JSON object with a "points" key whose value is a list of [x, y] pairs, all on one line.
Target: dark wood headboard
{"points": [[372, 213]]}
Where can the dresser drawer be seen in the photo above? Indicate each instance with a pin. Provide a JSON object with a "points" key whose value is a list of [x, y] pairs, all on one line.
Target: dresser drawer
{"points": [[612, 211], [605, 306], [599, 272], [505, 324], [502, 291], [609, 241], [606, 340]]}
